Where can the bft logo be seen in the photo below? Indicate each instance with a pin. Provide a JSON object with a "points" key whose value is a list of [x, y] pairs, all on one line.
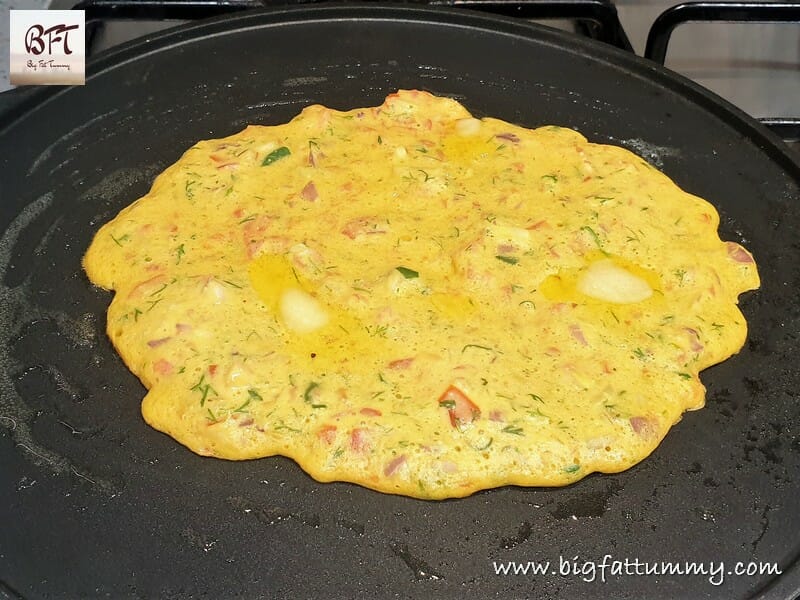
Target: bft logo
{"points": [[47, 47], [35, 38]]}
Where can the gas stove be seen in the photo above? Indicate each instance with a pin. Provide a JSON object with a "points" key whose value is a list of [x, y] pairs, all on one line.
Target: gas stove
{"points": [[744, 51]]}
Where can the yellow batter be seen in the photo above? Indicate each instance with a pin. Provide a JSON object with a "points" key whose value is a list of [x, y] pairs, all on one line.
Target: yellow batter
{"points": [[418, 301]]}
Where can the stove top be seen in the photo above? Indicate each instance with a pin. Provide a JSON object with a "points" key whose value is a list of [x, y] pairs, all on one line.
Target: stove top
{"points": [[746, 52]]}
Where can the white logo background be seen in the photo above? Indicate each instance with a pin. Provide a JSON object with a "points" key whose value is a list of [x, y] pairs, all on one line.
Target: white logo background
{"points": [[47, 47]]}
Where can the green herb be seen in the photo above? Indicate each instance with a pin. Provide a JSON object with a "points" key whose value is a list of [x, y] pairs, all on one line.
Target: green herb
{"points": [[241, 409], [339, 451], [204, 388], [572, 468], [595, 237], [310, 390], [377, 331], [380, 140], [254, 395], [448, 404], [613, 314], [188, 188], [136, 313], [283, 426], [158, 291], [632, 237], [275, 156], [536, 398], [211, 416], [408, 273], [230, 283], [511, 260], [640, 354], [513, 430], [479, 347], [684, 375], [550, 178], [246, 219], [152, 304], [179, 252], [118, 241]]}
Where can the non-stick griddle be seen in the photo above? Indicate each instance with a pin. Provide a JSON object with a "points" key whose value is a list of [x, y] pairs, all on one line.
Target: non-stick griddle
{"points": [[94, 503]]}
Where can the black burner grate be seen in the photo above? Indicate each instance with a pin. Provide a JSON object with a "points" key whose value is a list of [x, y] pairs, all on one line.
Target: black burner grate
{"points": [[596, 19], [787, 127]]}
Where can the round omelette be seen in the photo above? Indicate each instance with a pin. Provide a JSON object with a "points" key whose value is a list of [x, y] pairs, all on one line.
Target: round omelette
{"points": [[419, 301]]}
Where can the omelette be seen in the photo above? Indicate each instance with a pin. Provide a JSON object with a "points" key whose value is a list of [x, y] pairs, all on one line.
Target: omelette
{"points": [[418, 301]]}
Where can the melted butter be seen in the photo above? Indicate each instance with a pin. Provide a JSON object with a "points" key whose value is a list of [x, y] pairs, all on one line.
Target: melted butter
{"points": [[453, 306], [564, 286], [270, 275], [343, 336]]}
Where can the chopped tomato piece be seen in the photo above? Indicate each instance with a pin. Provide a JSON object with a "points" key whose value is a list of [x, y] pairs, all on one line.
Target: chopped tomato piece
{"points": [[370, 412], [401, 363], [461, 409], [577, 333], [148, 287], [158, 342], [646, 427], [359, 439], [327, 433], [393, 465], [163, 367], [309, 192], [737, 253]]}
